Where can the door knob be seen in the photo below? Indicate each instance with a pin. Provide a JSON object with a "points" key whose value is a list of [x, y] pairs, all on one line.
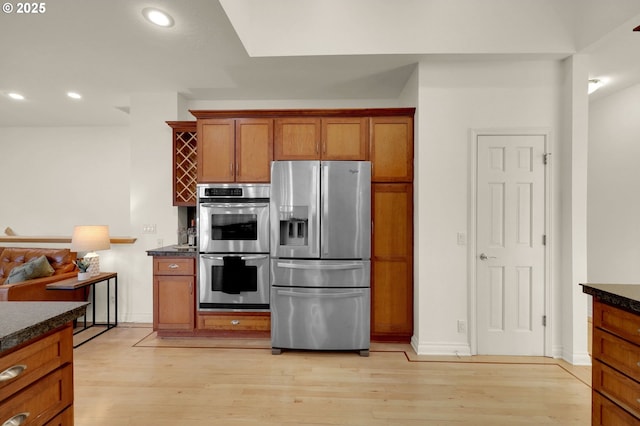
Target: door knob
{"points": [[485, 257]]}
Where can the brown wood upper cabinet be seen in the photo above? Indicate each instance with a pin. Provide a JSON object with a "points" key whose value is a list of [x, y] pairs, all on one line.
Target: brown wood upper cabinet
{"points": [[235, 150], [315, 138], [391, 149]]}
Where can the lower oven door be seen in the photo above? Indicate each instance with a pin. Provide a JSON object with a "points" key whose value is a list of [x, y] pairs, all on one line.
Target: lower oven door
{"points": [[234, 281]]}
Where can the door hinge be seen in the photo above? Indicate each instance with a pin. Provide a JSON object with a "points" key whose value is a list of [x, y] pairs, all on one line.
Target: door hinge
{"points": [[546, 157], [544, 320], [544, 240]]}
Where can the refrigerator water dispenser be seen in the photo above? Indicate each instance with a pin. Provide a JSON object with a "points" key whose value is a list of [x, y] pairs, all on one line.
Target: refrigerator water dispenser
{"points": [[294, 224]]}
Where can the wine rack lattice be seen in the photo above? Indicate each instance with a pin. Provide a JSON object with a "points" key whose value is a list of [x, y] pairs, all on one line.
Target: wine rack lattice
{"points": [[185, 168]]}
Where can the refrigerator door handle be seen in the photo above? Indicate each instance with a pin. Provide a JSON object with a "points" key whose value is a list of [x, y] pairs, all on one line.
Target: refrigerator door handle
{"points": [[342, 266], [340, 295], [313, 232], [206, 256], [325, 210]]}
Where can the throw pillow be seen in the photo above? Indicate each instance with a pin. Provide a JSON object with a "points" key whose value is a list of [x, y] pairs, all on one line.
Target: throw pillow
{"points": [[35, 268]]}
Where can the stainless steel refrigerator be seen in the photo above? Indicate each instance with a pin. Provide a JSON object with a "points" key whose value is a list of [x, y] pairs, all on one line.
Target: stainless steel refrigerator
{"points": [[320, 255]]}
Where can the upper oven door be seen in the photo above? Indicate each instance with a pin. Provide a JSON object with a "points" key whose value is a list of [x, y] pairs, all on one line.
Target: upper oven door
{"points": [[234, 227]]}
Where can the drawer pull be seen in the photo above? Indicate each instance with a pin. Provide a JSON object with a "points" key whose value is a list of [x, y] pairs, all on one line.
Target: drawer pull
{"points": [[235, 322], [12, 372], [16, 420], [174, 266]]}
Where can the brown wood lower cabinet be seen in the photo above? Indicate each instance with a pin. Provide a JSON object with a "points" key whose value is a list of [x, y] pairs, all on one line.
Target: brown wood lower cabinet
{"points": [[616, 366], [174, 289], [392, 262], [42, 391]]}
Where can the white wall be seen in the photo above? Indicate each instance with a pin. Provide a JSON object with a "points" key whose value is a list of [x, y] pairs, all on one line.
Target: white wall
{"points": [[55, 178], [456, 98], [614, 188], [570, 309]]}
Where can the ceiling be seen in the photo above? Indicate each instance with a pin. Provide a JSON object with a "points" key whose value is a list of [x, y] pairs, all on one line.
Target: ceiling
{"points": [[284, 49]]}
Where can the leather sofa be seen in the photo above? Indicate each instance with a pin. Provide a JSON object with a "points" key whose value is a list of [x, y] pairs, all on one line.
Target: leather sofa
{"points": [[61, 260]]}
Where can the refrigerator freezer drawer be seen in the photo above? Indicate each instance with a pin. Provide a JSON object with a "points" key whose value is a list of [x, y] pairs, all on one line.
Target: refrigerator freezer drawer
{"points": [[320, 273], [320, 318]]}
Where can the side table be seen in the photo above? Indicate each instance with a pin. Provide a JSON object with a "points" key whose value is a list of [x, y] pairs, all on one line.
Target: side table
{"points": [[74, 284]]}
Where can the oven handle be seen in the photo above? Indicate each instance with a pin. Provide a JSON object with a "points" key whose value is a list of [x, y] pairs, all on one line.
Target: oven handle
{"points": [[207, 256], [234, 206], [316, 266]]}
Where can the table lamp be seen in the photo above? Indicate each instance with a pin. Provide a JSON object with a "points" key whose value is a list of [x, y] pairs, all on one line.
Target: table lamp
{"points": [[89, 239]]}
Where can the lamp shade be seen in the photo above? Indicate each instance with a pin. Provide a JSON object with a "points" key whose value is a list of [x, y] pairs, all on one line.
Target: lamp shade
{"points": [[90, 238]]}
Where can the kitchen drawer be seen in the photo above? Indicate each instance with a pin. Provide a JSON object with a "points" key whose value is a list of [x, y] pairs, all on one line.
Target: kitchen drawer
{"points": [[43, 400], [63, 419], [173, 266], [606, 413], [26, 365], [616, 386], [617, 353], [619, 322], [234, 322]]}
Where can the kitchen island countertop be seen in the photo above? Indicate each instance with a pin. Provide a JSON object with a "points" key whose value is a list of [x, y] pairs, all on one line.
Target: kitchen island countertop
{"points": [[173, 251], [23, 321], [624, 296]]}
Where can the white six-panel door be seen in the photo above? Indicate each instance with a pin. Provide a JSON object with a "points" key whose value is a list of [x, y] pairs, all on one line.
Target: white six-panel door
{"points": [[510, 253]]}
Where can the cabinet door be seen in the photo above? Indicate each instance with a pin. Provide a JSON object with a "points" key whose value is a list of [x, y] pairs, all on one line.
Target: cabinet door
{"points": [[391, 149], [344, 138], [254, 149], [216, 150], [392, 262], [297, 138], [174, 302]]}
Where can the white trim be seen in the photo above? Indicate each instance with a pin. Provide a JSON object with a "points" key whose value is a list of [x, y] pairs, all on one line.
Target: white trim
{"points": [[471, 248], [441, 348]]}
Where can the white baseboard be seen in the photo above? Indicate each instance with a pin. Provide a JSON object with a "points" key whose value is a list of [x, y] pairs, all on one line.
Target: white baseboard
{"points": [[440, 348]]}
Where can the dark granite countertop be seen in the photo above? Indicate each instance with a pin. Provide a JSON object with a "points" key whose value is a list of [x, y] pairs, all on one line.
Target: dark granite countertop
{"points": [[23, 321], [624, 296], [174, 251]]}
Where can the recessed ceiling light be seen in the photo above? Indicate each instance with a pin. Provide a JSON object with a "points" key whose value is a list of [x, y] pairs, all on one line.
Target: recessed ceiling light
{"points": [[74, 95], [157, 17], [16, 96]]}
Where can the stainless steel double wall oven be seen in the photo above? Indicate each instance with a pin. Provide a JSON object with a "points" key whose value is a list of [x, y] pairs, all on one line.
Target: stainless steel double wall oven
{"points": [[233, 246]]}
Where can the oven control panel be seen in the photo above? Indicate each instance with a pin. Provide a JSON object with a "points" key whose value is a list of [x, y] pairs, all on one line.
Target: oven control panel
{"points": [[223, 192], [234, 190]]}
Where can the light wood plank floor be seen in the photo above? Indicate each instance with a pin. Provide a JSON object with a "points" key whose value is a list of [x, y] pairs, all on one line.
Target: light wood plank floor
{"points": [[124, 378]]}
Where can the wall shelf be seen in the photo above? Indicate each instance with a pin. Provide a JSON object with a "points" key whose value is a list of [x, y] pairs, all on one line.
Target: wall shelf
{"points": [[46, 239]]}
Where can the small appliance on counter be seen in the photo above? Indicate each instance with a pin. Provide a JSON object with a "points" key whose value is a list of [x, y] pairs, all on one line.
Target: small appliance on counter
{"points": [[320, 255]]}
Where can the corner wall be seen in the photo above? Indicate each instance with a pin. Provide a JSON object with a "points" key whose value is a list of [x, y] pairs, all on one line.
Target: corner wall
{"points": [[456, 98], [613, 212]]}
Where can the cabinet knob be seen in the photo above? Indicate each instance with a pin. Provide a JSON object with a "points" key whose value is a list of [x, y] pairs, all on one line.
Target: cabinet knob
{"points": [[235, 322], [16, 420], [174, 266], [12, 372]]}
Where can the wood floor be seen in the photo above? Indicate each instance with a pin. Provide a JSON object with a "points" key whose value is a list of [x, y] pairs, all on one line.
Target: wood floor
{"points": [[127, 377]]}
